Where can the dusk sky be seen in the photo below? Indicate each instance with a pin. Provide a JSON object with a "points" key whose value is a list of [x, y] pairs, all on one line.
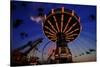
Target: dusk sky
{"points": [[22, 11]]}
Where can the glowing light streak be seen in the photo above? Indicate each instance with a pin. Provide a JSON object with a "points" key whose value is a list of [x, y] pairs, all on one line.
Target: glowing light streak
{"points": [[79, 19], [62, 9], [52, 26], [49, 33], [56, 23], [52, 36], [72, 31], [67, 24], [53, 39], [52, 11], [71, 27], [62, 18], [69, 38], [71, 35], [45, 16], [50, 29], [73, 13]]}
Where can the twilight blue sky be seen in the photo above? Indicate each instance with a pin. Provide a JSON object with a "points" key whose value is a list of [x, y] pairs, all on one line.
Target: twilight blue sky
{"points": [[23, 10]]}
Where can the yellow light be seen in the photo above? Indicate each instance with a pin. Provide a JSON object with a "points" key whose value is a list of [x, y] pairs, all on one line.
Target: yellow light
{"points": [[79, 19], [62, 9], [62, 17], [71, 35], [67, 24], [52, 36], [72, 31], [69, 38], [50, 29], [49, 33], [45, 16], [54, 39], [52, 26], [52, 11], [71, 27], [56, 23], [72, 12]]}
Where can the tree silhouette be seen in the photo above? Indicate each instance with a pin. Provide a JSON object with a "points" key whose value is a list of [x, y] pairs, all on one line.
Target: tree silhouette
{"points": [[23, 4], [17, 23], [82, 54], [92, 17], [75, 56], [87, 52], [12, 6], [23, 34], [40, 9], [92, 50], [40, 14]]}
